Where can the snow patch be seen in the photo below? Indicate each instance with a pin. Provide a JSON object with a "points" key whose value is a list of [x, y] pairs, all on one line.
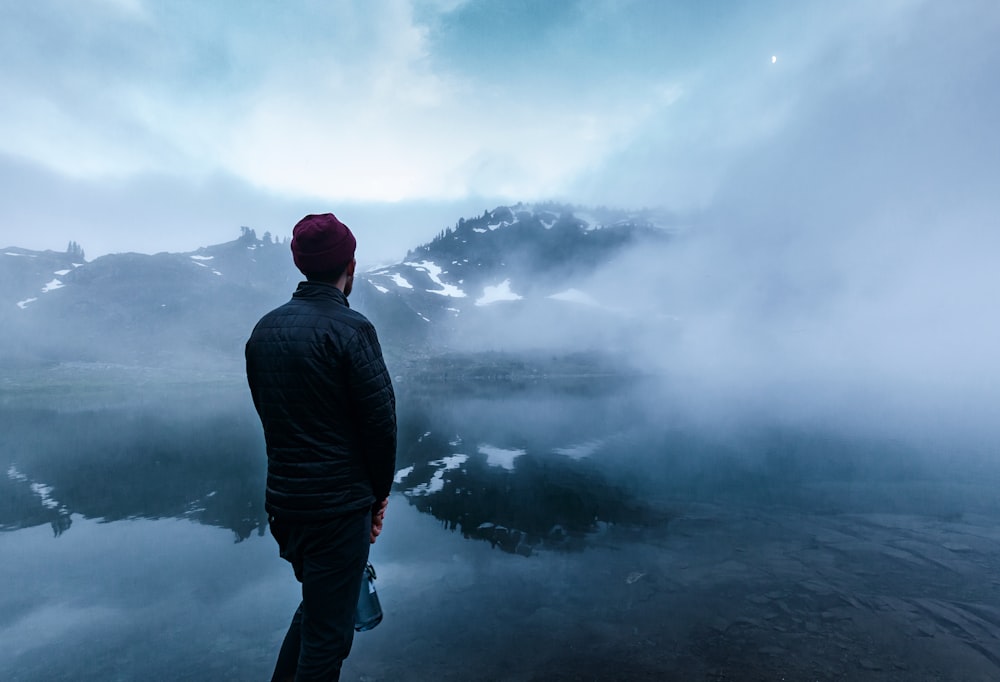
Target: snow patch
{"points": [[202, 257], [475, 229], [382, 289], [500, 457], [436, 484], [400, 281], [21, 255], [43, 491], [61, 273], [200, 265], [501, 292], [24, 304], [434, 271], [402, 474], [52, 286]]}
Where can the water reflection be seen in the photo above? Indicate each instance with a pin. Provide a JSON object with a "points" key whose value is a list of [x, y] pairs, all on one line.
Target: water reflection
{"points": [[525, 469], [516, 469], [125, 463], [140, 599], [491, 474]]}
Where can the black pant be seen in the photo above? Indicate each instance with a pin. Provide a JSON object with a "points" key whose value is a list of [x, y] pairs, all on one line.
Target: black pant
{"points": [[329, 558]]}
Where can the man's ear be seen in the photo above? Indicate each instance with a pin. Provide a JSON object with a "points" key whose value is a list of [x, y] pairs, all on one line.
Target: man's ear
{"points": [[350, 267]]}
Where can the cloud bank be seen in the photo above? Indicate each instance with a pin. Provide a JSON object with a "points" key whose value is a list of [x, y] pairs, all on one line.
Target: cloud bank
{"points": [[302, 104], [845, 271]]}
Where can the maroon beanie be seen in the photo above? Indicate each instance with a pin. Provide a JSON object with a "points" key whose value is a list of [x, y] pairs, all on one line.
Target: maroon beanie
{"points": [[321, 244]]}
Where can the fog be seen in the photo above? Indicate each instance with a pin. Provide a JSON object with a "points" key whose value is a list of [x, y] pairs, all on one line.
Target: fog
{"points": [[844, 269], [763, 447], [850, 259]]}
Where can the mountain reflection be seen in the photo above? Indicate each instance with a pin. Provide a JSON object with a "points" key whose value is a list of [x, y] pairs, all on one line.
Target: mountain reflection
{"points": [[510, 467], [123, 463], [29, 503], [527, 467], [529, 503]]}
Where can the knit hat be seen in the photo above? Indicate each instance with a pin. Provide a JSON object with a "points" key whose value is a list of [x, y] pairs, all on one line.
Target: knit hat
{"points": [[321, 243]]}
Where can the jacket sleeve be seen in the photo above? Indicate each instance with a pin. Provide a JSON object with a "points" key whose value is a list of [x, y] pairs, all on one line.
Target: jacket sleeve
{"points": [[375, 407]]}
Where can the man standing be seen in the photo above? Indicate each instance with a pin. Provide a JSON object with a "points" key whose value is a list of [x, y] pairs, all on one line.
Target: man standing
{"points": [[326, 403]]}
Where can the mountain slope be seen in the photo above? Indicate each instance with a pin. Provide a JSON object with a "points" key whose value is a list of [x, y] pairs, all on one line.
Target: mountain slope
{"points": [[514, 278]]}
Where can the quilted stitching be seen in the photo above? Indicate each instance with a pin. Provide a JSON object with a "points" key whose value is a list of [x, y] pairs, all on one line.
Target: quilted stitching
{"points": [[326, 403]]}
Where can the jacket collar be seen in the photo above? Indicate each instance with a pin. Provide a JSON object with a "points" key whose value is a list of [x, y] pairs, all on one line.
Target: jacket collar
{"points": [[320, 291]]}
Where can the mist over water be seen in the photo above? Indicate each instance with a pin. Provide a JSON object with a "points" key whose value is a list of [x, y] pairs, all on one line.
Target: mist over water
{"points": [[695, 542]]}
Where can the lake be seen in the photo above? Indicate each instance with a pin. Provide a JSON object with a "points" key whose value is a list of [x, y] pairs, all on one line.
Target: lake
{"points": [[585, 529]]}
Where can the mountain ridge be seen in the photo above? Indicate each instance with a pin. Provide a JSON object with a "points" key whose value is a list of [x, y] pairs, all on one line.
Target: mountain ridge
{"points": [[449, 295]]}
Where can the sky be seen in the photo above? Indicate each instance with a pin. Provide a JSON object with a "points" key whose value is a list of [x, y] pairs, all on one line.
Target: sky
{"points": [[142, 125]]}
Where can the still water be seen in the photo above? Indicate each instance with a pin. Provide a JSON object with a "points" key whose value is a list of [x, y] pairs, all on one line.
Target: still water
{"points": [[580, 531]]}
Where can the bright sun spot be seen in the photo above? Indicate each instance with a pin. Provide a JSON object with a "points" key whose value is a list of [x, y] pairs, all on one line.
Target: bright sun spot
{"points": [[773, 59]]}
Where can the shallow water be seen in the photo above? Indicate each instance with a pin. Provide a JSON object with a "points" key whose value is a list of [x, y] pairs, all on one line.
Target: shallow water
{"points": [[535, 532]]}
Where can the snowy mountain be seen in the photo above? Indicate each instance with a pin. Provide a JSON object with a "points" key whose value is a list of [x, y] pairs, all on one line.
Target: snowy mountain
{"points": [[515, 278], [512, 253], [141, 309]]}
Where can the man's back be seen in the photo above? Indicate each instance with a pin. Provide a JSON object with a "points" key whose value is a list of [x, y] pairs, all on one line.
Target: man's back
{"points": [[326, 403]]}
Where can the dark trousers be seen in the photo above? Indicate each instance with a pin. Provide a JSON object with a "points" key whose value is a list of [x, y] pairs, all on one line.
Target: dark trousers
{"points": [[329, 558]]}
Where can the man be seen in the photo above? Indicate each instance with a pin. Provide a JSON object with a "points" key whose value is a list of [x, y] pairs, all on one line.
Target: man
{"points": [[326, 403]]}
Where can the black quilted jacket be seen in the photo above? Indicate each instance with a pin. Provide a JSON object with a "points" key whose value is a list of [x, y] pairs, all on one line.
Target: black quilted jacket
{"points": [[324, 397]]}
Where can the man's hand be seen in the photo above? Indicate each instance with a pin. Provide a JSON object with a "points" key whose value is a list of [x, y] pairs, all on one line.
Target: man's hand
{"points": [[378, 514]]}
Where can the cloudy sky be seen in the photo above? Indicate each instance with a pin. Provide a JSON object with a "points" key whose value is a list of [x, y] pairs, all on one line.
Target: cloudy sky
{"points": [[153, 125]]}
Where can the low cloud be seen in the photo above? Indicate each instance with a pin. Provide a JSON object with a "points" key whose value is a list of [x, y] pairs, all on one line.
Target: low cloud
{"points": [[844, 271], [841, 273]]}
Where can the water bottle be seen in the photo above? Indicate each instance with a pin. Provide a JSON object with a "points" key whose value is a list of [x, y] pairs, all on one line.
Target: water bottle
{"points": [[368, 614]]}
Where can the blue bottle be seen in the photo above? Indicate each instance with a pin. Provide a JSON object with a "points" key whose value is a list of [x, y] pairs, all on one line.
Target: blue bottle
{"points": [[369, 611]]}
